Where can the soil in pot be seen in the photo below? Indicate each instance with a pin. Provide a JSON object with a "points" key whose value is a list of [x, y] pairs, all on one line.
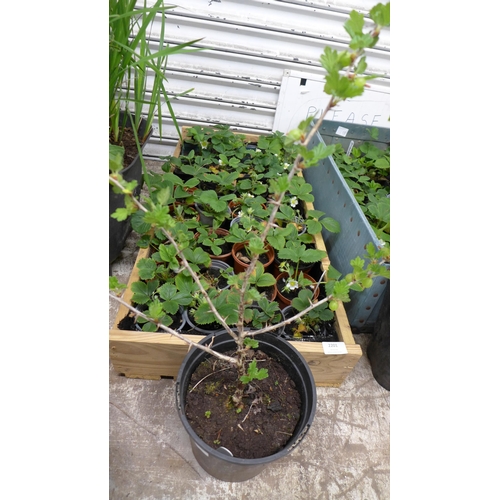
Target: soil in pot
{"points": [[324, 331], [128, 322], [265, 424], [226, 247], [268, 291], [129, 144], [242, 260], [213, 274]]}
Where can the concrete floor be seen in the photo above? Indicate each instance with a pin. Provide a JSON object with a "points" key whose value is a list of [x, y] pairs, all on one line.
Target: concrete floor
{"points": [[345, 455]]}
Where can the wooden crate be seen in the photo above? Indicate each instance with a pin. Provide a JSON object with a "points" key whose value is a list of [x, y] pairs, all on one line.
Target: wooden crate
{"points": [[155, 355]]}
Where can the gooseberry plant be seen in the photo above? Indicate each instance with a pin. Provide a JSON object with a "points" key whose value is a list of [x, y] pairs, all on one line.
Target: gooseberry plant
{"points": [[345, 79]]}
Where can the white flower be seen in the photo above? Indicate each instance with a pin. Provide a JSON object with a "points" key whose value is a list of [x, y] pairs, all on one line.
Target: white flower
{"points": [[221, 162], [292, 284], [286, 165], [293, 201], [204, 144], [257, 150]]}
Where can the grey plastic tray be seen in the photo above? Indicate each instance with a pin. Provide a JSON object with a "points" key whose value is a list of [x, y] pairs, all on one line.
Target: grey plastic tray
{"points": [[334, 197]]}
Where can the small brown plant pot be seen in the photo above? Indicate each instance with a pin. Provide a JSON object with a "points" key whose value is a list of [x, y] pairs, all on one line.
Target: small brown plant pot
{"points": [[239, 256], [286, 300], [225, 257]]}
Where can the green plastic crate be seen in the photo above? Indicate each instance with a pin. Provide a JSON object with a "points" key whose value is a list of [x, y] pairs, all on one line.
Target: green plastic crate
{"points": [[333, 196]]}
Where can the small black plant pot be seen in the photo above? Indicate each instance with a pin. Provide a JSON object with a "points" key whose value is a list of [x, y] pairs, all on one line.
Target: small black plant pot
{"points": [[220, 463], [323, 332], [129, 322], [120, 230], [205, 329], [215, 270], [379, 348]]}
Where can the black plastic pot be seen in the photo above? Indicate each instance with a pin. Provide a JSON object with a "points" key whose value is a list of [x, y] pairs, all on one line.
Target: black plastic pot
{"points": [[379, 348], [324, 333], [129, 322], [208, 220], [201, 329], [220, 463], [119, 231]]}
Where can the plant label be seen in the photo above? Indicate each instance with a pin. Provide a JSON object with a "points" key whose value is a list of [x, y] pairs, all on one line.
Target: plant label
{"points": [[334, 348], [342, 131]]}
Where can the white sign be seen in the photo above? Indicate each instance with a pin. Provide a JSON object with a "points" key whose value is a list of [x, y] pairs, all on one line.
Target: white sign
{"points": [[301, 95], [334, 348]]}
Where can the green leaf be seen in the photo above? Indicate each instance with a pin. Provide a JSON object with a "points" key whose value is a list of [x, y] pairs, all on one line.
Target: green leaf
{"points": [[341, 290], [382, 163], [115, 285], [155, 310], [332, 273], [138, 224], [146, 268], [325, 314], [354, 25], [120, 214], [256, 246], [266, 280], [167, 253], [312, 255], [254, 373], [381, 210], [252, 343], [313, 226], [381, 14], [198, 256], [330, 224], [143, 291], [116, 157], [163, 195], [303, 300]]}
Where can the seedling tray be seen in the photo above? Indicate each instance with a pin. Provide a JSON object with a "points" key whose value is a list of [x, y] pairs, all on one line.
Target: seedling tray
{"points": [[154, 355]]}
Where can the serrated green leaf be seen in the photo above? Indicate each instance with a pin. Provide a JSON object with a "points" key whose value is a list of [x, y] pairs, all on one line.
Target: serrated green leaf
{"points": [[167, 253], [381, 210], [311, 255], [252, 343], [303, 300], [354, 25], [163, 195], [167, 291], [149, 327], [138, 224], [381, 14], [266, 280], [116, 157], [313, 226], [197, 256], [332, 273], [146, 268], [155, 310], [143, 290], [120, 214]]}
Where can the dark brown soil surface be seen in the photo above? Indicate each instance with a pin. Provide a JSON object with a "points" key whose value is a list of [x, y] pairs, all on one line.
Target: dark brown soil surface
{"points": [[265, 424], [325, 332], [128, 142]]}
